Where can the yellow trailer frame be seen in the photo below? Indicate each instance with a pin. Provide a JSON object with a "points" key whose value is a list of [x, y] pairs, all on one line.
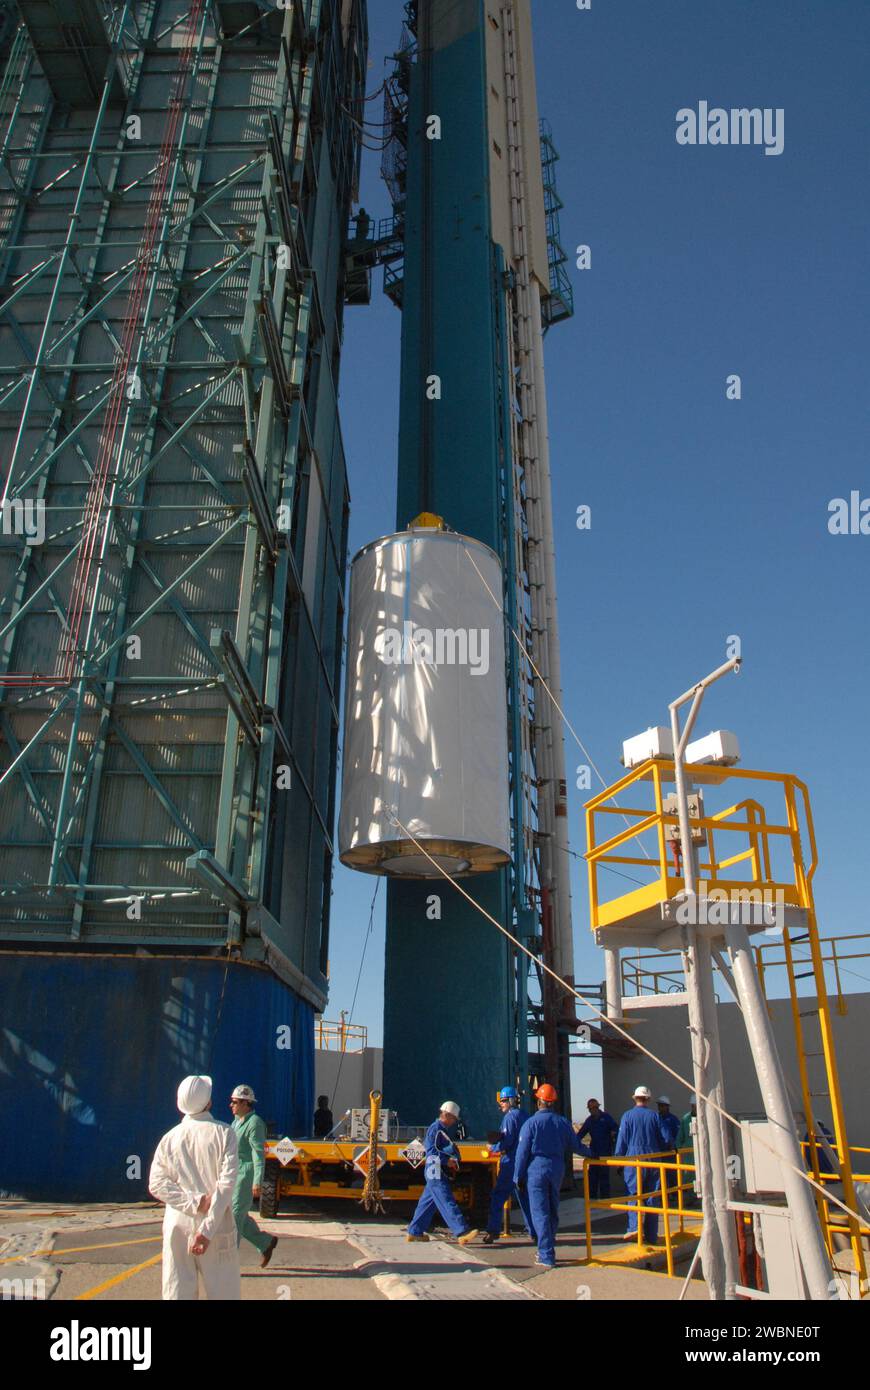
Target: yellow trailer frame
{"points": [[324, 1169]]}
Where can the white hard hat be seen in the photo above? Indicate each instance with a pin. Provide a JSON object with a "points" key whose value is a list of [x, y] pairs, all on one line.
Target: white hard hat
{"points": [[194, 1094], [244, 1093], [664, 1100], [642, 1091], [450, 1107]]}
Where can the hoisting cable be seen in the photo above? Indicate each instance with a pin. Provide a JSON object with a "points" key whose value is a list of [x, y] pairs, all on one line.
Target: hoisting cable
{"points": [[690, 1085], [575, 854]]}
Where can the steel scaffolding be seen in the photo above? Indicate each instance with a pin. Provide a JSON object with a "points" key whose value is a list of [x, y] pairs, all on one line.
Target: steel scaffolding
{"points": [[171, 299]]}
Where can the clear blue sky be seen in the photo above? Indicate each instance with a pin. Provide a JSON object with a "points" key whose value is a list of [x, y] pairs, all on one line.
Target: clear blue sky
{"points": [[705, 262]]}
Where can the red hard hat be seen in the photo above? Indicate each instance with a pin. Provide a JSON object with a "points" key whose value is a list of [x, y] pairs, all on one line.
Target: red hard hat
{"points": [[546, 1092]]}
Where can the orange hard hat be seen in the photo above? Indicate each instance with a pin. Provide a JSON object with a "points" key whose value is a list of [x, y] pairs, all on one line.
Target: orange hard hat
{"points": [[546, 1092]]}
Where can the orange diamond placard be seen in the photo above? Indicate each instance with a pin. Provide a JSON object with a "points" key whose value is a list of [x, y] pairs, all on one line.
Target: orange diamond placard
{"points": [[361, 1161]]}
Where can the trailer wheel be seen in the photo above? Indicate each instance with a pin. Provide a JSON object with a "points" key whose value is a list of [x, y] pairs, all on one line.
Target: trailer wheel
{"points": [[269, 1191], [481, 1194]]}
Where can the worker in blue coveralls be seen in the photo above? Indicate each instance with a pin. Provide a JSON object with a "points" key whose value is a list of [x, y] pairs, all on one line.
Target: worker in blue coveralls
{"points": [[442, 1162], [641, 1132], [506, 1145], [546, 1139], [670, 1123], [602, 1130], [825, 1164]]}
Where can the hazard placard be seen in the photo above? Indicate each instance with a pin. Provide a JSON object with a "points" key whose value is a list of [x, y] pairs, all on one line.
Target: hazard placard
{"points": [[285, 1151], [414, 1154], [361, 1160]]}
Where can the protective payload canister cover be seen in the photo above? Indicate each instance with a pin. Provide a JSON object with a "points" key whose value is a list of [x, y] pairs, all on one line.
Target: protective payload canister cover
{"points": [[425, 729]]}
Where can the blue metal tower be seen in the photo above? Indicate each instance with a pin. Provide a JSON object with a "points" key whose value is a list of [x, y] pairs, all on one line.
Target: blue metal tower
{"points": [[475, 286]]}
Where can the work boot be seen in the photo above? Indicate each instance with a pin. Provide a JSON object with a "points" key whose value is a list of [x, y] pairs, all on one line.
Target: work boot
{"points": [[268, 1252], [489, 1238], [467, 1238], [410, 1237]]}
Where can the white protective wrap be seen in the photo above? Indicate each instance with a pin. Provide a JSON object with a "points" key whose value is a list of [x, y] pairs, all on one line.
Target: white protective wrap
{"points": [[425, 729]]}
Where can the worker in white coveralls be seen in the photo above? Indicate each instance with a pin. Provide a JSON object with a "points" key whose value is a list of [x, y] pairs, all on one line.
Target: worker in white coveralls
{"points": [[194, 1174], [250, 1131]]}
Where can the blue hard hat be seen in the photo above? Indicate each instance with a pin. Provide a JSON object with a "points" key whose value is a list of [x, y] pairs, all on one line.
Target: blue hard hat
{"points": [[508, 1093]]}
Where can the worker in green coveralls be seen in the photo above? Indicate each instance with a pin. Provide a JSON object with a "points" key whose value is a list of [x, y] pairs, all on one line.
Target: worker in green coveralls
{"points": [[251, 1134]]}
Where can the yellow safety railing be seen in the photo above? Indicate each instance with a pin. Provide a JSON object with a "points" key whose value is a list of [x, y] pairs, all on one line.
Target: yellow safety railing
{"points": [[761, 847], [658, 972], [835, 1222], [746, 818], [832, 1177], [675, 1176], [340, 1037]]}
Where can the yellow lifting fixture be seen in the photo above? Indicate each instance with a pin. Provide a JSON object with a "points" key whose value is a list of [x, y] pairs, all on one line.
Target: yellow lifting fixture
{"points": [[371, 1197]]}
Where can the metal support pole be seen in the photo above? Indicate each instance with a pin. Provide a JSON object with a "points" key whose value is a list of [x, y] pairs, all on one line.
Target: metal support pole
{"points": [[774, 1094], [809, 1121], [709, 1246], [718, 1238], [612, 985], [713, 1121]]}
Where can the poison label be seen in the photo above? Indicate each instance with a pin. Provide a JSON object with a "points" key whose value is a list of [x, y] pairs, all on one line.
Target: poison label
{"points": [[285, 1151]]}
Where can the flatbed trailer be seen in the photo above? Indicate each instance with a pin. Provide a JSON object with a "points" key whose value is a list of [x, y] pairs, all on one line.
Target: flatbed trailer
{"points": [[322, 1169]]}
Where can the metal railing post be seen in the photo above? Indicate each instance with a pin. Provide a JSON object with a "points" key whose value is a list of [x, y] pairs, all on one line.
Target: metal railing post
{"points": [[587, 1213], [666, 1218]]}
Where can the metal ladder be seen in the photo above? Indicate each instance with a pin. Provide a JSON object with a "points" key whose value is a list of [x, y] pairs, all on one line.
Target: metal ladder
{"points": [[822, 1012]]}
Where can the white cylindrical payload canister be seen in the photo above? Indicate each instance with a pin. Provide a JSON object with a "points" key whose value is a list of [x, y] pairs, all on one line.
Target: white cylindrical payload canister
{"points": [[425, 726]]}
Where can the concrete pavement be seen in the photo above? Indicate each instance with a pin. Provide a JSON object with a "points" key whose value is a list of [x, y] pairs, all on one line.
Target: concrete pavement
{"points": [[113, 1253]]}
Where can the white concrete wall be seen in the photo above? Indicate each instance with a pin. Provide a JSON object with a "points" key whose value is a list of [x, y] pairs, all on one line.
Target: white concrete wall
{"points": [[665, 1032], [361, 1072]]}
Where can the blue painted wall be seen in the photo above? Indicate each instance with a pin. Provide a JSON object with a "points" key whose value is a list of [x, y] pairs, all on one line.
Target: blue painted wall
{"points": [[87, 1079], [448, 1026]]}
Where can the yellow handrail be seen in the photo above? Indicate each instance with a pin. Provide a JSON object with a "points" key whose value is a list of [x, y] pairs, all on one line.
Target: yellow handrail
{"points": [[341, 1036], [640, 911], [644, 1203]]}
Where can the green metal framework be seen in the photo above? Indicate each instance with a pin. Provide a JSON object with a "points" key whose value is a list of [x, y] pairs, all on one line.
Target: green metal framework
{"points": [[171, 301], [559, 305]]}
